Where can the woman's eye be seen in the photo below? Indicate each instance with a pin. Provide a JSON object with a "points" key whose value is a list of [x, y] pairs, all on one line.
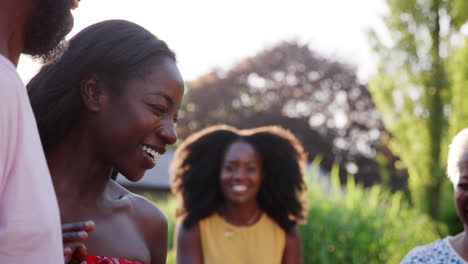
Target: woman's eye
{"points": [[228, 168], [159, 109], [251, 169]]}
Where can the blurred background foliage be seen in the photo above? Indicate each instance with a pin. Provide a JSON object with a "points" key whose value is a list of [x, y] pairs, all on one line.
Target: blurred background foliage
{"points": [[418, 91], [320, 100]]}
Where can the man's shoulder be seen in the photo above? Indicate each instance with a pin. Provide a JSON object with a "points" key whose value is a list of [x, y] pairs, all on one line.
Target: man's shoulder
{"points": [[8, 70], [10, 81]]}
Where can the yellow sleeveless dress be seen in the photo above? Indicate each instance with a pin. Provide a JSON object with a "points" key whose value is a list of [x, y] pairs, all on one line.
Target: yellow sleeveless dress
{"points": [[223, 243]]}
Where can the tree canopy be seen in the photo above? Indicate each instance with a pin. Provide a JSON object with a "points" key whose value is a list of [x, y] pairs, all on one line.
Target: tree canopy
{"points": [[320, 100], [413, 93]]}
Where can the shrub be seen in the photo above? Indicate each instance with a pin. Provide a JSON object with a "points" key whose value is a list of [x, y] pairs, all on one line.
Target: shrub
{"points": [[360, 225], [168, 208]]}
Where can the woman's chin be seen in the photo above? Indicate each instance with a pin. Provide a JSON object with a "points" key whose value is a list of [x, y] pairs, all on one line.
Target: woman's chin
{"points": [[133, 176]]}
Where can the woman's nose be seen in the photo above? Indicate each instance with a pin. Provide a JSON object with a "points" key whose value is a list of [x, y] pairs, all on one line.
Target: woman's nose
{"points": [[168, 133], [239, 174]]}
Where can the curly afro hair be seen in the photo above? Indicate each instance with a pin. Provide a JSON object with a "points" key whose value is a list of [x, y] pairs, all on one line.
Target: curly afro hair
{"points": [[195, 173]]}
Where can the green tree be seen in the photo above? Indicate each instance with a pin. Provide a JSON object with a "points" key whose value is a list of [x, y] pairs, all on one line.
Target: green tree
{"points": [[412, 91], [459, 83], [320, 100]]}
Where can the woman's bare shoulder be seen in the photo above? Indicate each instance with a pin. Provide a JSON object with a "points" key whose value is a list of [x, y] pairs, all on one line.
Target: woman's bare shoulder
{"points": [[141, 208], [146, 209], [148, 218]]}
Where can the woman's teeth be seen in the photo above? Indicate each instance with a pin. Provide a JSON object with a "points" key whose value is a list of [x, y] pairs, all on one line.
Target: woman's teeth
{"points": [[151, 151], [239, 188]]}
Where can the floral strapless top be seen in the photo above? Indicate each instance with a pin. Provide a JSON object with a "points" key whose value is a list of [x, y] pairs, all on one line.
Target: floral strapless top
{"points": [[92, 259]]}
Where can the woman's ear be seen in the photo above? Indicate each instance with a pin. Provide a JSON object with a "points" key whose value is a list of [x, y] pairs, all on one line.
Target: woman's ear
{"points": [[93, 93]]}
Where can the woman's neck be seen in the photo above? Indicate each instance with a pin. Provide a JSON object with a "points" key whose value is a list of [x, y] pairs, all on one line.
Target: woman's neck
{"points": [[77, 171], [460, 244], [241, 214]]}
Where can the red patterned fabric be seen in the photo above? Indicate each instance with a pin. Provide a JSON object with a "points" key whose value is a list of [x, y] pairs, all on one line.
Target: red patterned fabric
{"points": [[92, 259]]}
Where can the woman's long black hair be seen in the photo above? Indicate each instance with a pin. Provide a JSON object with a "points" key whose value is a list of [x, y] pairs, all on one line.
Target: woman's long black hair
{"points": [[113, 52]]}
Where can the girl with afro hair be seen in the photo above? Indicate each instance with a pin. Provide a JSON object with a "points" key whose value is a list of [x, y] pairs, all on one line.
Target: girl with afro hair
{"points": [[239, 194]]}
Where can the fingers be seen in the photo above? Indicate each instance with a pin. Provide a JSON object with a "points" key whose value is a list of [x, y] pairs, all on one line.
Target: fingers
{"points": [[67, 253], [69, 237], [76, 232], [79, 254], [87, 226]]}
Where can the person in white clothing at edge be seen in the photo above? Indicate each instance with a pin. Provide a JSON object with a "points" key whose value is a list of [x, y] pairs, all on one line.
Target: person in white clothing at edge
{"points": [[30, 229], [451, 249]]}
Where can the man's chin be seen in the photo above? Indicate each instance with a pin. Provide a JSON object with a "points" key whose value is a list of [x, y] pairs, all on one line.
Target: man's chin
{"points": [[50, 55], [45, 41]]}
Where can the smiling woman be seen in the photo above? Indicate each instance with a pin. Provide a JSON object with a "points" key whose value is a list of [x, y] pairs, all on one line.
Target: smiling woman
{"points": [[451, 249], [109, 104], [240, 196]]}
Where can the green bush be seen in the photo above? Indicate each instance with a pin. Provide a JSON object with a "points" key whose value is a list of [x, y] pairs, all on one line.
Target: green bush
{"points": [[168, 208], [448, 212], [350, 224], [360, 225]]}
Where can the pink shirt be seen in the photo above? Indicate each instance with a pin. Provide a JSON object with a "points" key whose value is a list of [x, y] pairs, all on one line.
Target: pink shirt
{"points": [[30, 229]]}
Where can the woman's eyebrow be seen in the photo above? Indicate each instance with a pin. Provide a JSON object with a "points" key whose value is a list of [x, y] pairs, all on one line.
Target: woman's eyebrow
{"points": [[165, 96]]}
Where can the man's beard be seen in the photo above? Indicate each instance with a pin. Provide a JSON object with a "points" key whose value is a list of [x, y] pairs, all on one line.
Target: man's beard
{"points": [[47, 26]]}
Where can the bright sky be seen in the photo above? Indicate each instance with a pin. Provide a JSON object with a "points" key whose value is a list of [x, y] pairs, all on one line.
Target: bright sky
{"points": [[218, 33]]}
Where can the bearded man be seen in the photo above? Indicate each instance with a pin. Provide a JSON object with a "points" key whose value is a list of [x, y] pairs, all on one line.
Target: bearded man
{"points": [[30, 229]]}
